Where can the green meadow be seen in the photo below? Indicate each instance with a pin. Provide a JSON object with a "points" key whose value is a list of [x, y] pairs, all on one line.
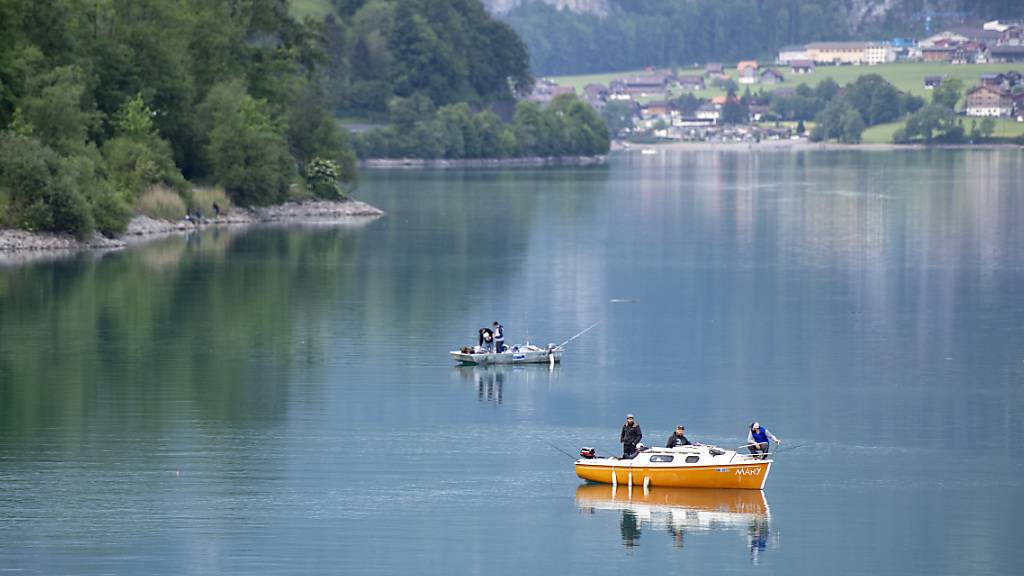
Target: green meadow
{"points": [[907, 76]]}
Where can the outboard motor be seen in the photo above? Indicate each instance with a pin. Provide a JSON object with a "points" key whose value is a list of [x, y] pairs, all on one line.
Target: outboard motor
{"points": [[588, 453]]}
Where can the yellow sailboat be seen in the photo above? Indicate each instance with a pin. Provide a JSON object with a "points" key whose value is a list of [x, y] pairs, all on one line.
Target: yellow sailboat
{"points": [[698, 466]]}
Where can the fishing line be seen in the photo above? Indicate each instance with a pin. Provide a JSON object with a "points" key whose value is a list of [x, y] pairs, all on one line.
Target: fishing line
{"points": [[560, 450]]}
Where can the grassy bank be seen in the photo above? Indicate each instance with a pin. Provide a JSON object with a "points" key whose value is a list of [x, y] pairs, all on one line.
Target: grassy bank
{"points": [[1006, 129]]}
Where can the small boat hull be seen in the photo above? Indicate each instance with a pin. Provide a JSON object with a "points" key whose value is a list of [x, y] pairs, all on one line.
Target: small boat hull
{"points": [[521, 356], [683, 467], [741, 476]]}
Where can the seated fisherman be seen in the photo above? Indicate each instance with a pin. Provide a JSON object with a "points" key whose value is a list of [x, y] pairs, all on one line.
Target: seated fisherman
{"points": [[678, 438]]}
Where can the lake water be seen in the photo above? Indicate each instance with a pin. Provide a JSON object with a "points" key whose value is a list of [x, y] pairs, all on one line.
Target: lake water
{"points": [[280, 400]]}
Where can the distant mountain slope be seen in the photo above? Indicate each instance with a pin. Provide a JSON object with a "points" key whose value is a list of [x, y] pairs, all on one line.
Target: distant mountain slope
{"points": [[566, 37]]}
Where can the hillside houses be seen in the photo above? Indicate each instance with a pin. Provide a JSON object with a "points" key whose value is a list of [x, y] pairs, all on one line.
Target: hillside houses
{"points": [[992, 42], [989, 101], [544, 91]]}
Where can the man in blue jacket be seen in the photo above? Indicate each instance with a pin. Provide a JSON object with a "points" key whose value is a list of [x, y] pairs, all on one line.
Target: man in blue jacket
{"points": [[757, 440]]}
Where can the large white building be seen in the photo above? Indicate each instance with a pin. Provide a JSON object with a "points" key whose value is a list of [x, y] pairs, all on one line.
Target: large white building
{"points": [[879, 53], [789, 53]]}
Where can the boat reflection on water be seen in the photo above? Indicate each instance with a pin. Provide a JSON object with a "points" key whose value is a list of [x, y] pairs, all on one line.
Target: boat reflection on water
{"points": [[680, 511], [490, 381]]}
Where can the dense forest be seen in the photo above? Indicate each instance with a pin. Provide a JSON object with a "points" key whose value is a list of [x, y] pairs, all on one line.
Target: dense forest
{"points": [[448, 51], [102, 100], [638, 33], [111, 106]]}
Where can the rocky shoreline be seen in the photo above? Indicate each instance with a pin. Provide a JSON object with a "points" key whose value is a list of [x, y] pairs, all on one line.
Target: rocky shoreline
{"points": [[528, 162], [143, 227]]}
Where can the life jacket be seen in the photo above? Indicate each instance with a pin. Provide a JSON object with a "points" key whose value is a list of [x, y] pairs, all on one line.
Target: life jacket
{"points": [[760, 436], [499, 333]]}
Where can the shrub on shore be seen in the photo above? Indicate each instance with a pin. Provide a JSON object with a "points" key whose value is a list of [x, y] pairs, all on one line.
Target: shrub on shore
{"points": [[161, 203], [203, 198]]}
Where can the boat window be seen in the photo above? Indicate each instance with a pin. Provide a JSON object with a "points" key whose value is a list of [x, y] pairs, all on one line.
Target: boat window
{"points": [[692, 459], [661, 458]]}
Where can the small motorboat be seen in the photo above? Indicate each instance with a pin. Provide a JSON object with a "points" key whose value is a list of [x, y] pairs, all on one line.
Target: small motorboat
{"points": [[696, 466], [521, 354]]}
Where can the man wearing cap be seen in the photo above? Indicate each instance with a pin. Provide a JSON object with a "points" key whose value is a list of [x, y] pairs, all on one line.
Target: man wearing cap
{"points": [[757, 440], [630, 437], [678, 438]]}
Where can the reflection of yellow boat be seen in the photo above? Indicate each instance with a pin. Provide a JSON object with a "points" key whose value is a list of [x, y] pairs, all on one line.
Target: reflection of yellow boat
{"points": [[682, 467], [701, 507], [679, 511]]}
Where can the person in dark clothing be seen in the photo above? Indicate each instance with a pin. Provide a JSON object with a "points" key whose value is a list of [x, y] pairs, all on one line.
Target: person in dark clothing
{"points": [[499, 337], [486, 339], [630, 437], [678, 438], [216, 210]]}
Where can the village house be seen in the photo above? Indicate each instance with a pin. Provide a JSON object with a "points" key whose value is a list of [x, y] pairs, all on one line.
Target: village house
{"points": [[595, 94], [941, 53], [650, 85], [836, 52], [1006, 53], [769, 76], [931, 82], [655, 109], [787, 54], [748, 72], [544, 91], [709, 112], [757, 111], [995, 80], [715, 70], [988, 101], [691, 82], [801, 66]]}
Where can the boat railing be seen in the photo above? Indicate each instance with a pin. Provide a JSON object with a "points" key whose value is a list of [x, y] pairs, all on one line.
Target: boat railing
{"points": [[744, 452]]}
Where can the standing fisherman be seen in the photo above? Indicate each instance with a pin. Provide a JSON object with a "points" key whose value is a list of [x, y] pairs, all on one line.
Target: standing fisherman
{"points": [[757, 440], [630, 437], [499, 337]]}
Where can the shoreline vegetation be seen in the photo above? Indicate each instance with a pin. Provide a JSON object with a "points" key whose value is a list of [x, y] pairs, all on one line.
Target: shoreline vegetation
{"points": [[15, 242]]}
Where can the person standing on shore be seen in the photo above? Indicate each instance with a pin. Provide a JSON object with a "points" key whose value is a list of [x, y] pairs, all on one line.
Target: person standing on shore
{"points": [[630, 437]]}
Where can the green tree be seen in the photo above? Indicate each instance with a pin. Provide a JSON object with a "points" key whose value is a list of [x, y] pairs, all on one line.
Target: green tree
{"points": [[41, 189], [245, 151], [988, 127], [852, 127], [947, 94], [618, 117]]}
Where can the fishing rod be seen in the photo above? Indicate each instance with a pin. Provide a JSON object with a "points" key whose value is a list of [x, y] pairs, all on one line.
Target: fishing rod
{"points": [[789, 448], [585, 330], [560, 450]]}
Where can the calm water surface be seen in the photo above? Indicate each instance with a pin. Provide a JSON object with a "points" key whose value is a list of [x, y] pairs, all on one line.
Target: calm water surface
{"points": [[280, 401]]}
